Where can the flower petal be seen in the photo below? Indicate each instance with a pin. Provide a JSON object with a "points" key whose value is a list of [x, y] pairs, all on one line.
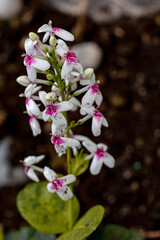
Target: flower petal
{"points": [[41, 64], [70, 142], [104, 122], [45, 28], [31, 174], [67, 36], [65, 194], [102, 145], [31, 72], [49, 174], [68, 179], [45, 37], [42, 96], [98, 98], [66, 70], [96, 126], [90, 146], [50, 189], [88, 98], [32, 108], [64, 106], [109, 161], [96, 166]]}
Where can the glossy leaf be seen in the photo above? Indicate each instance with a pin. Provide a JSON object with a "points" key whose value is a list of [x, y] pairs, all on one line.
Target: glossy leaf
{"points": [[79, 164], [29, 233], [43, 210], [85, 225]]}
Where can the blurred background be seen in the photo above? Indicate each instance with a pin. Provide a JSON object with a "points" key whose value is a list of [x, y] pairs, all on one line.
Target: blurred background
{"points": [[120, 39]]}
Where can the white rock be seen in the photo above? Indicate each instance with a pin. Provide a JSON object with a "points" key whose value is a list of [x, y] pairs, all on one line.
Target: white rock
{"points": [[88, 53], [9, 8], [9, 175], [106, 10]]}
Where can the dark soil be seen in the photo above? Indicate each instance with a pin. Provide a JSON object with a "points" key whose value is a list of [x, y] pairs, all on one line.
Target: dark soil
{"points": [[130, 81]]}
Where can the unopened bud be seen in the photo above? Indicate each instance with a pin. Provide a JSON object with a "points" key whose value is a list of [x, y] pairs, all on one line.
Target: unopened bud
{"points": [[52, 41], [23, 80], [88, 72], [51, 96], [49, 76], [33, 36]]}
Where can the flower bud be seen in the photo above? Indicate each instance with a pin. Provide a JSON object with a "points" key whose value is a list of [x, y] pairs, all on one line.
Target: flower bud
{"points": [[51, 96], [33, 36], [52, 41], [88, 72], [49, 76], [23, 80]]}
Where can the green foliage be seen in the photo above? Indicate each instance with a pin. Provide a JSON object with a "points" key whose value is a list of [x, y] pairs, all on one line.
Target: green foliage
{"points": [[115, 232], [79, 164], [85, 225], [45, 211], [1, 235], [29, 233]]}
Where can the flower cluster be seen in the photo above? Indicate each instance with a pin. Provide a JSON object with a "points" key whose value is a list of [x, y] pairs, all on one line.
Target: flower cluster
{"points": [[66, 79]]}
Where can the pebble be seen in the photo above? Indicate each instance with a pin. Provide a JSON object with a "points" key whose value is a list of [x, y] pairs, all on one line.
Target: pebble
{"points": [[118, 100], [9, 8], [89, 54]]}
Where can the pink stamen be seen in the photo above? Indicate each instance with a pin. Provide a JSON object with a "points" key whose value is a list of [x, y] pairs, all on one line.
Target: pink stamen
{"points": [[100, 153], [29, 59], [70, 57], [52, 110], [57, 184], [97, 115], [94, 89], [57, 140]]}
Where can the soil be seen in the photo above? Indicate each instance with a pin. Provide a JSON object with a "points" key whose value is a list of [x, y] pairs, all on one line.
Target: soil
{"points": [[129, 75]]}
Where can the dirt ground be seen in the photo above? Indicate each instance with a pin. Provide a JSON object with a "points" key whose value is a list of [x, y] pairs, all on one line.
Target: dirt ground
{"points": [[130, 82]]}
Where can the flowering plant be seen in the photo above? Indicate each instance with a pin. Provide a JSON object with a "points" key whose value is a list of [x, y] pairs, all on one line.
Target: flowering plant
{"points": [[47, 205]]}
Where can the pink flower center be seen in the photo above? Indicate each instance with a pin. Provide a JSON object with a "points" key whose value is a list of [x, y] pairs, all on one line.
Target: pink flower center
{"points": [[29, 59], [57, 184], [26, 168], [56, 29], [57, 140], [97, 115], [100, 153], [52, 110], [27, 101], [70, 57], [94, 89]]}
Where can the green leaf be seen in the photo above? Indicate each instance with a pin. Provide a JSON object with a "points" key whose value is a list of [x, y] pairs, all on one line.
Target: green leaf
{"points": [[79, 164], [1, 235], [86, 224], [29, 233], [115, 232], [43, 210]]}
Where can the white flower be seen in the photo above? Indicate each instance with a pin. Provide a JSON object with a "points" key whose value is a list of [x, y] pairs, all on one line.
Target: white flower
{"points": [[97, 119], [100, 155], [35, 126], [93, 93], [51, 109], [29, 166], [31, 106], [32, 62], [59, 185], [61, 144], [71, 61], [52, 31]]}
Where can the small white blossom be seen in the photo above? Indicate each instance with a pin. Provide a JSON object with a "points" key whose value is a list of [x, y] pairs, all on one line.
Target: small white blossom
{"points": [[100, 155], [97, 119], [71, 62], [29, 166], [59, 185], [32, 62], [61, 144], [52, 31], [35, 126]]}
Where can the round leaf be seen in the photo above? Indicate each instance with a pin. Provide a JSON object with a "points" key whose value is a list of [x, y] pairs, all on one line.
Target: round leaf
{"points": [[43, 210], [86, 224]]}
